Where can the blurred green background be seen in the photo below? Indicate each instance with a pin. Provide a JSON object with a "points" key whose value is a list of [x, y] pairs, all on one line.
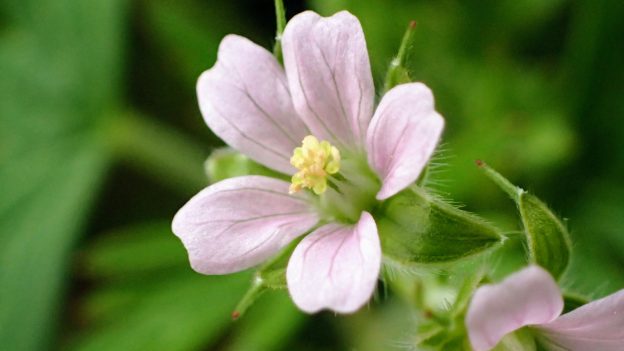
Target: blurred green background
{"points": [[101, 141]]}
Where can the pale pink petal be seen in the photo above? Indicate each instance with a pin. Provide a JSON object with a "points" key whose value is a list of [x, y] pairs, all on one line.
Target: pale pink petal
{"points": [[239, 222], [598, 325], [336, 267], [244, 99], [329, 75], [530, 296], [402, 136]]}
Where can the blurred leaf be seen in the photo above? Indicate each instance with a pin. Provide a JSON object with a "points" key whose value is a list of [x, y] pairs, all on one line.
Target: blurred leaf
{"points": [[184, 312], [37, 234], [267, 326], [200, 28], [60, 77], [149, 287], [135, 250], [158, 151]]}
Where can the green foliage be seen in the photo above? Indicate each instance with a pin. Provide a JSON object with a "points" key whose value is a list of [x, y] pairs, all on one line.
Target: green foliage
{"points": [[61, 76], [148, 298]]}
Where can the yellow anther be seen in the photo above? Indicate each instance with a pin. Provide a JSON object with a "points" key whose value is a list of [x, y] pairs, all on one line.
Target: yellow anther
{"points": [[315, 160]]}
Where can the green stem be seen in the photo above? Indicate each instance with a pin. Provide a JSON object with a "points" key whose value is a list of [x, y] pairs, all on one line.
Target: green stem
{"points": [[157, 150], [513, 191], [280, 17], [397, 72], [405, 42], [255, 291]]}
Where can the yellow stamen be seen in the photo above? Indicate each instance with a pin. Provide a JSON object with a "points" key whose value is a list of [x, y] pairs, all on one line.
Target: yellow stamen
{"points": [[315, 160]]}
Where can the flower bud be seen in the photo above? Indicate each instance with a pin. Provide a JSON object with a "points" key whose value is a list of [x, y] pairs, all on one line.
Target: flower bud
{"points": [[547, 237], [397, 71]]}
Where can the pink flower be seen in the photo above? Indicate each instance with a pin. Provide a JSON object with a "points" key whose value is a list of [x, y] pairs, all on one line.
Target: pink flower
{"points": [[324, 93], [532, 298]]}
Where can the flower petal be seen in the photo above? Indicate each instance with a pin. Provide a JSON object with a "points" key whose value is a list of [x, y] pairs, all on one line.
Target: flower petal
{"points": [[402, 136], [599, 325], [329, 75], [244, 99], [530, 296], [336, 267], [239, 222]]}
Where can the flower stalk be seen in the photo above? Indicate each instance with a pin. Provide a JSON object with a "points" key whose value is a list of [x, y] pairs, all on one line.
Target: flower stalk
{"points": [[280, 19]]}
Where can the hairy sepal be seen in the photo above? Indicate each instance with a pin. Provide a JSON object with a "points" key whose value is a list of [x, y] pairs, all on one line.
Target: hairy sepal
{"points": [[418, 228], [547, 237]]}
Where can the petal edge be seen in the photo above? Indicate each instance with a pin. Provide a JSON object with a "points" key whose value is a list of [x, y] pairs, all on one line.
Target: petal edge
{"points": [[244, 99], [530, 296], [402, 136], [239, 222], [336, 267]]}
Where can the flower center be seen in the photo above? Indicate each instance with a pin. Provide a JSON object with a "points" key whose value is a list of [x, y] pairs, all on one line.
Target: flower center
{"points": [[345, 183], [315, 160]]}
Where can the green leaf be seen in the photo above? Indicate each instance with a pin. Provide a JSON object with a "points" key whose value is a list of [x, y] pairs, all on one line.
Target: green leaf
{"points": [[416, 227], [183, 312], [139, 249], [158, 150], [548, 239], [37, 234], [60, 76], [201, 26]]}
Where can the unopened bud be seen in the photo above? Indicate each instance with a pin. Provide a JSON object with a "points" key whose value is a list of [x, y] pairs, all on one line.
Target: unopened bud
{"points": [[547, 237]]}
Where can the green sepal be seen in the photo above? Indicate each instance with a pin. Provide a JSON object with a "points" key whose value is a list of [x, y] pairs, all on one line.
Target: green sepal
{"points": [[520, 340], [416, 227], [271, 275], [227, 163], [396, 75], [397, 72], [547, 237], [573, 301]]}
